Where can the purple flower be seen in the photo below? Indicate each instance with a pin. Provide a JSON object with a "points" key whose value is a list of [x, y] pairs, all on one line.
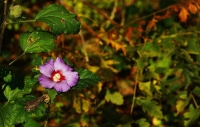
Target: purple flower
{"points": [[58, 75]]}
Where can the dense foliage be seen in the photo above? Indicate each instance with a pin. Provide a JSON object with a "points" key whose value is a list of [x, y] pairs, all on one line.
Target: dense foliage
{"points": [[138, 63]]}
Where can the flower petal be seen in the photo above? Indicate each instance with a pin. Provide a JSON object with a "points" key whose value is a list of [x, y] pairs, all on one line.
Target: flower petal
{"points": [[59, 64], [61, 87], [71, 78], [47, 68], [46, 82]]}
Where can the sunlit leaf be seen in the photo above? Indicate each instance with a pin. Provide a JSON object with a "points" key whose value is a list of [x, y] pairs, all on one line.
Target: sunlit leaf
{"points": [[8, 78], [146, 87], [191, 116], [85, 105], [151, 49], [59, 19], [143, 123], [115, 98], [6, 112], [150, 106], [181, 104], [37, 41]]}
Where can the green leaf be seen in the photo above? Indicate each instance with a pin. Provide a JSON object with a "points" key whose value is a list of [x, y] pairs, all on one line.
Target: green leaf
{"points": [[193, 45], [196, 91], [115, 98], [5, 113], [146, 87], [52, 94], [32, 123], [181, 104], [150, 106], [37, 61], [12, 95], [14, 113], [37, 41], [86, 78], [191, 116], [59, 19], [143, 123], [151, 49], [8, 78]]}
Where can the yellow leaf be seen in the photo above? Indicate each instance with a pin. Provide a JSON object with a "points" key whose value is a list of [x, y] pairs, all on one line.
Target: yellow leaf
{"points": [[115, 98], [99, 85], [107, 63], [85, 105], [77, 104], [183, 14], [92, 68]]}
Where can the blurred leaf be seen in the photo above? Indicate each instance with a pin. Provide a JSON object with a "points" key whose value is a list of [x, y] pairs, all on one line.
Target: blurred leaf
{"points": [[183, 14], [59, 19], [115, 98], [150, 106], [191, 116], [37, 61], [52, 94], [193, 45], [85, 105], [196, 91], [8, 78], [77, 104], [32, 123], [37, 41], [86, 78], [151, 49], [143, 123], [181, 104], [146, 87]]}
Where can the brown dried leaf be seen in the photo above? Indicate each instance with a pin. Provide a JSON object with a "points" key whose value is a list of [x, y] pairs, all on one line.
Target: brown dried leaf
{"points": [[152, 24]]}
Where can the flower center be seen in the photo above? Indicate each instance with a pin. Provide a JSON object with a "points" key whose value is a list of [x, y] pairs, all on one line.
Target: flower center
{"points": [[57, 76]]}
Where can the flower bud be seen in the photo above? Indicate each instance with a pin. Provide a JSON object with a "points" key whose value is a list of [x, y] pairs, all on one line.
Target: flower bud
{"points": [[15, 12]]}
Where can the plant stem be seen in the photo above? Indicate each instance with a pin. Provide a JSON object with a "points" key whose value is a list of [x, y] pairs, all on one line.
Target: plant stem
{"points": [[17, 58], [24, 21], [134, 94], [194, 100], [3, 24], [47, 118]]}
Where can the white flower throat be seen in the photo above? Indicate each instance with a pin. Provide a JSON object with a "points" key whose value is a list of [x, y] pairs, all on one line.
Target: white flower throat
{"points": [[56, 77]]}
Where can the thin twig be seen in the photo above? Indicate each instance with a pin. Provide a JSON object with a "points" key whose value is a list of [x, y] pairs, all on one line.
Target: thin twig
{"points": [[24, 21], [134, 94], [17, 58], [84, 46], [3, 24], [194, 100], [102, 13], [112, 16]]}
